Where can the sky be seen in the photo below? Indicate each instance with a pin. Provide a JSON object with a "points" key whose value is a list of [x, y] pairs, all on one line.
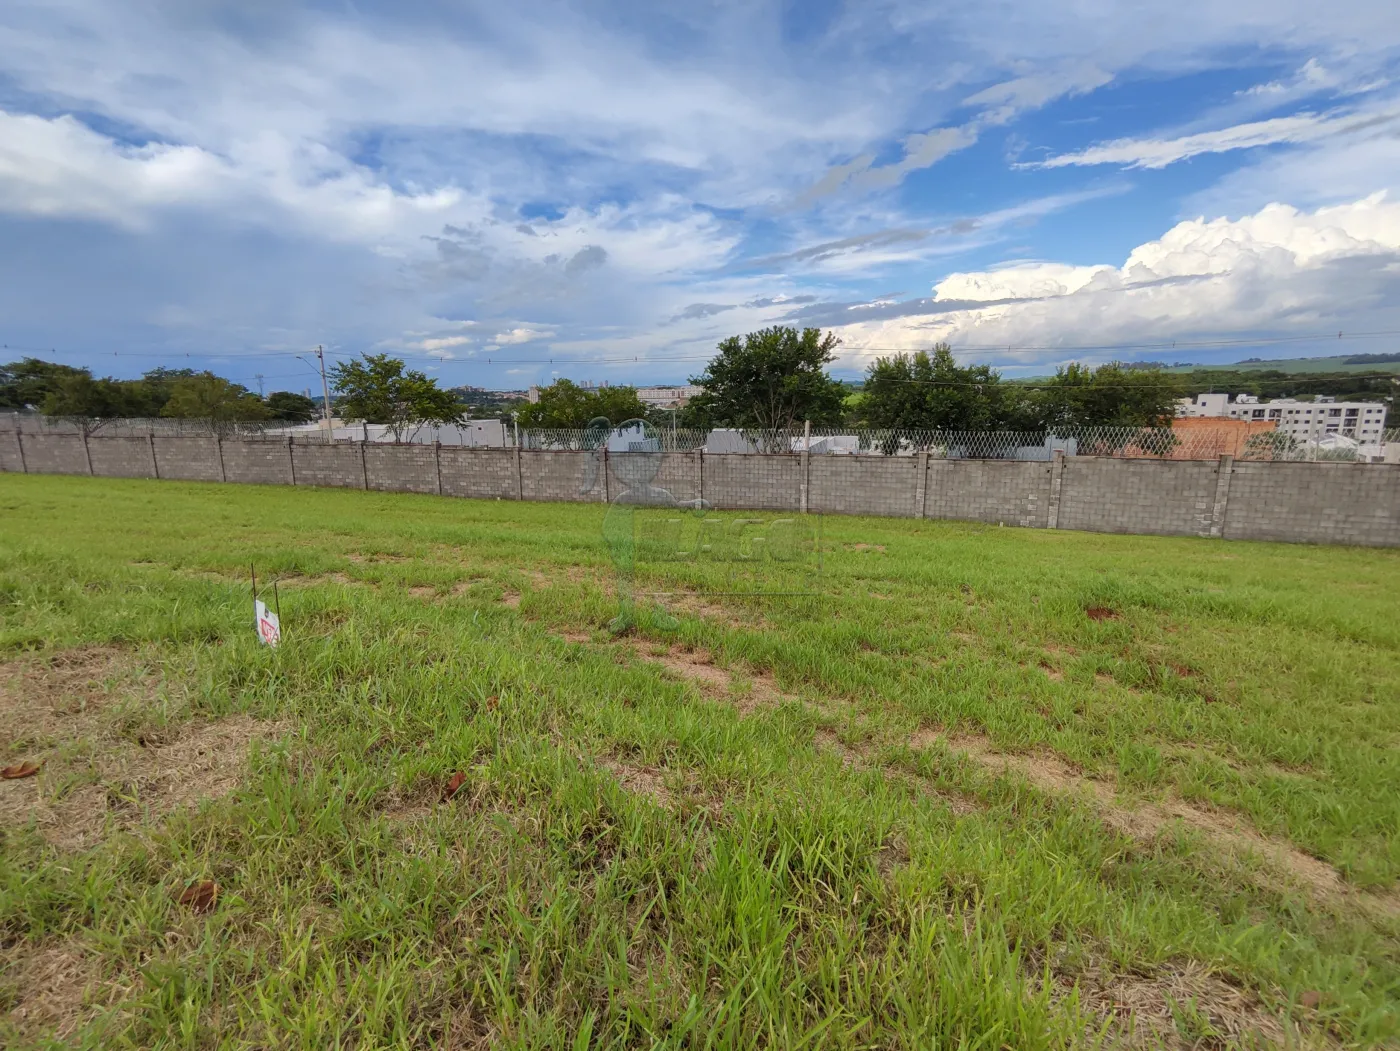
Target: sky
{"points": [[507, 193]]}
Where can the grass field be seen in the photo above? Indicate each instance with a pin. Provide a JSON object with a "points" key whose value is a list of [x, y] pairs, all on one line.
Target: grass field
{"points": [[941, 805]]}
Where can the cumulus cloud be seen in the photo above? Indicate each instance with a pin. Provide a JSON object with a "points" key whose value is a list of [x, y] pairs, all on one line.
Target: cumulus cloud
{"points": [[1279, 269]]}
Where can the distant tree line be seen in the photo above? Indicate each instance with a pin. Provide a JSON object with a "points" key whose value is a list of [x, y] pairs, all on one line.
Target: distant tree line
{"points": [[772, 379], [62, 390]]}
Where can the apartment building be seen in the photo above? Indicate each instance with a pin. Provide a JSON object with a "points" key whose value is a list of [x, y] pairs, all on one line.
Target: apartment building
{"points": [[1362, 420]]}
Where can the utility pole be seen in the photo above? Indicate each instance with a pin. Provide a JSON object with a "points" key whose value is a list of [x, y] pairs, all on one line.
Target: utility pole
{"points": [[261, 392], [325, 391]]}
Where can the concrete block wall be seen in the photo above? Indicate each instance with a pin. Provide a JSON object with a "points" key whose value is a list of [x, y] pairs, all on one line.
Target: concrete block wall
{"points": [[10, 459], [189, 459], [401, 468], [1014, 492], [1323, 503], [754, 481], [1300, 502], [338, 466], [484, 474], [847, 485], [557, 476], [122, 457], [1164, 497], [680, 475], [53, 453], [263, 463]]}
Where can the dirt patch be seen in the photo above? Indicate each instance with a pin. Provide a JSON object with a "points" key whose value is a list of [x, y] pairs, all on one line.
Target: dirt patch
{"points": [[579, 637], [1051, 774], [695, 604], [1178, 1007], [422, 591], [698, 666], [642, 780], [1100, 613], [1051, 672], [66, 712], [54, 990], [865, 547], [373, 557], [511, 600]]}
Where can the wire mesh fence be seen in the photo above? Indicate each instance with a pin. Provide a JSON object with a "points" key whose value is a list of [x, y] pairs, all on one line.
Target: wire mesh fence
{"points": [[1193, 442], [1167, 443]]}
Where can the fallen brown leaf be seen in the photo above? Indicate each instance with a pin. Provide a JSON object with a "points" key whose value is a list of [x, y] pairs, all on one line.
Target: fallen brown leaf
{"points": [[200, 896], [26, 769], [457, 781], [1310, 999]]}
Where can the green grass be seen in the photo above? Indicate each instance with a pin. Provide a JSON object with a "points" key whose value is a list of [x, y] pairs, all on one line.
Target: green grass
{"points": [[637, 861]]}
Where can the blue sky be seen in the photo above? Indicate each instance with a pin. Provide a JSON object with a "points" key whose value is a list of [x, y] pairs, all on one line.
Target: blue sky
{"points": [[503, 193]]}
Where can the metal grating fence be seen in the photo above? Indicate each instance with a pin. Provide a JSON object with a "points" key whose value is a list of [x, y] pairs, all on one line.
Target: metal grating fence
{"points": [[1165, 443]]}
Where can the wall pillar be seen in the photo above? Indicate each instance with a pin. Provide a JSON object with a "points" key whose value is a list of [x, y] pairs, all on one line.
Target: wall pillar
{"points": [[1224, 470], [805, 485], [155, 467], [219, 449], [437, 464], [87, 452], [364, 468], [519, 474], [700, 461], [921, 488], [607, 485], [1057, 479], [19, 444], [291, 461]]}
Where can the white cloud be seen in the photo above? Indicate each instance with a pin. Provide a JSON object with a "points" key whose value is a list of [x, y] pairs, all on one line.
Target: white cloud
{"points": [[444, 343], [1158, 153], [1280, 269], [61, 168], [522, 334]]}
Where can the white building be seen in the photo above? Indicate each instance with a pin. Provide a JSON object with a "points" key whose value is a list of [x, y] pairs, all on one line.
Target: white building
{"points": [[1304, 420], [667, 397]]}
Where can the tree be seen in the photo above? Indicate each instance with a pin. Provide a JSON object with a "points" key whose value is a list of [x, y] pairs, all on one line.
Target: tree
{"points": [[769, 380], [923, 392], [1108, 396], [205, 396], [564, 404], [88, 402], [378, 389], [27, 383], [295, 408]]}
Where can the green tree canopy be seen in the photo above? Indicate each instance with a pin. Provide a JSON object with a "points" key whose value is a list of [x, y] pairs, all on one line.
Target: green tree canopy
{"points": [[378, 389], [932, 392], [295, 408], [1108, 396], [27, 383], [770, 379], [205, 396], [565, 404]]}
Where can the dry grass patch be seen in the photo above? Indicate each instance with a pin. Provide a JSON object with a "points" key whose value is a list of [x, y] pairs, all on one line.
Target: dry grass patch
{"points": [[1179, 1007], [52, 991], [66, 712]]}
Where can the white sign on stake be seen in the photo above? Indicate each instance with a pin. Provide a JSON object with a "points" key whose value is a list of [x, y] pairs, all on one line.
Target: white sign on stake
{"points": [[269, 628]]}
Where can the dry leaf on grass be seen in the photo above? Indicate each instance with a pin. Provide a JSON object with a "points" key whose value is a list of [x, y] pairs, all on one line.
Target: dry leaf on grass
{"points": [[26, 769], [200, 896], [457, 781]]}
